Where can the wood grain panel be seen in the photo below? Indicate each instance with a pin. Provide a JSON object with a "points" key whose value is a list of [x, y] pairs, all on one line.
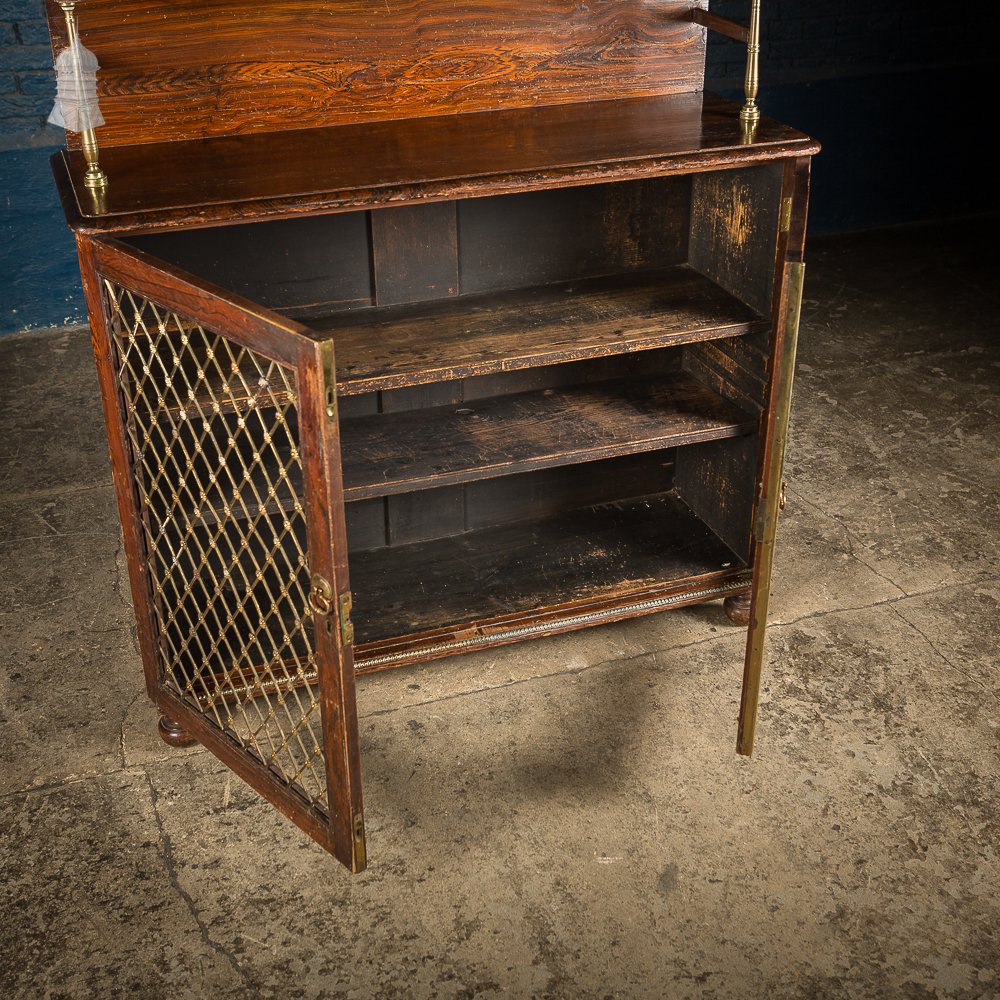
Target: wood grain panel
{"points": [[195, 68], [734, 230], [302, 267]]}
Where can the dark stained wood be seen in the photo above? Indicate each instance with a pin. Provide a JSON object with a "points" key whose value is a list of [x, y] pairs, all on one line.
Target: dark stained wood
{"points": [[365, 522], [242, 177], [197, 68], [174, 734], [549, 492], [303, 267], [543, 237], [734, 230], [737, 608], [714, 481], [416, 517], [723, 25], [555, 275], [414, 253], [593, 553], [735, 374], [445, 445], [506, 331], [434, 513]]}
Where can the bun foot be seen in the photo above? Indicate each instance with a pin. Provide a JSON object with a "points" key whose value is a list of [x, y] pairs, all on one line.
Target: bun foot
{"points": [[174, 734], [737, 608]]}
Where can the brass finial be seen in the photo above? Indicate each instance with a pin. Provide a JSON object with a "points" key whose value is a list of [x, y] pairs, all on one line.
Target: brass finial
{"points": [[94, 178], [750, 113]]}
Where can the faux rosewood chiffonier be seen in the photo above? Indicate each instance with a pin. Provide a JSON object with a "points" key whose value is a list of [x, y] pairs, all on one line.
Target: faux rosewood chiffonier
{"points": [[422, 327]]}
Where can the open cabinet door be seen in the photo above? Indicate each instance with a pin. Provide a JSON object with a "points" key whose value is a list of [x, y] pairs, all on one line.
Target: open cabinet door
{"points": [[770, 500], [225, 448]]}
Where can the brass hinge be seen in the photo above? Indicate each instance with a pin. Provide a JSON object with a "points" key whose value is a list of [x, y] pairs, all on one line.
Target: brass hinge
{"points": [[785, 219], [329, 380], [346, 625]]}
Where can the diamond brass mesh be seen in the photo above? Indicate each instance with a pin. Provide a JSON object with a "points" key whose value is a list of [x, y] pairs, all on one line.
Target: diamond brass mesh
{"points": [[213, 430]]}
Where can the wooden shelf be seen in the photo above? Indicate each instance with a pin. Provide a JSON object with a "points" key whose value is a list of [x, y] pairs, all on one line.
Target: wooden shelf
{"points": [[440, 446], [389, 347], [393, 346], [155, 185], [591, 554]]}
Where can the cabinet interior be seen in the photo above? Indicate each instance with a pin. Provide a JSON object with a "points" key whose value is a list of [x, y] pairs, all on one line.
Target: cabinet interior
{"points": [[546, 400]]}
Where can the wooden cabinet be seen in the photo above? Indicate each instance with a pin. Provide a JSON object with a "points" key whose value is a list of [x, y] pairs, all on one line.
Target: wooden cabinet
{"points": [[493, 343]]}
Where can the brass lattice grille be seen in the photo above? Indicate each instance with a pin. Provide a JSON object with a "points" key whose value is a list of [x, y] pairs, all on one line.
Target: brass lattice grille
{"points": [[213, 429]]}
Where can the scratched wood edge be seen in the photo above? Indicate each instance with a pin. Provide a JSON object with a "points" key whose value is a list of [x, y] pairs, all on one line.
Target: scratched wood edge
{"points": [[430, 191]]}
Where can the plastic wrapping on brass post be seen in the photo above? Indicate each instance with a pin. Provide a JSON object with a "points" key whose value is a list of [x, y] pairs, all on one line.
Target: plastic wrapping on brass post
{"points": [[750, 112], [94, 178]]}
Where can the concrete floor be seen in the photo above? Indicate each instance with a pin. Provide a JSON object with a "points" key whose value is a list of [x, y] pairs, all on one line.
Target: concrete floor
{"points": [[564, 818]]}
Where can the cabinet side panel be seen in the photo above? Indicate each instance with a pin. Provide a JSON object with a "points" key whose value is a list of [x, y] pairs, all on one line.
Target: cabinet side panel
{"points": [[734, 230], [716, 480]]}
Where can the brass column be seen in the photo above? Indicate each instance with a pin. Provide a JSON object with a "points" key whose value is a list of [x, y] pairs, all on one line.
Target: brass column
{"points": [[95, 178], [750, 113]]}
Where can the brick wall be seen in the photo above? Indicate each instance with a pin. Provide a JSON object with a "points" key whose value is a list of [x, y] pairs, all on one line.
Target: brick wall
{"points": [[26, 80], [806, 40], [874, 82]]}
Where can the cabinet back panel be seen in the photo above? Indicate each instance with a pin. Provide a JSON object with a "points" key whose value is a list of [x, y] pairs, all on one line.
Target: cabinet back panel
{"points": [[438, 513], [190, 69], [543, 237], [300, 267]]}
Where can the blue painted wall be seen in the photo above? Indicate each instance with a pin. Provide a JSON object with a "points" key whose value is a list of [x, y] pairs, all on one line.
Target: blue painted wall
{"points": [[889, 91], [40, 285]]}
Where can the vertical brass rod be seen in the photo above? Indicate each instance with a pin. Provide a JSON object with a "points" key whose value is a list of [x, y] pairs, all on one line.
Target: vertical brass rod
{"points": [[750, 113], [766, 515], [94, 178]]}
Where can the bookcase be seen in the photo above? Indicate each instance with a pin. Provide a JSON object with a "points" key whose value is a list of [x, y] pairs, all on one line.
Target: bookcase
{"points": [[421, 330]]}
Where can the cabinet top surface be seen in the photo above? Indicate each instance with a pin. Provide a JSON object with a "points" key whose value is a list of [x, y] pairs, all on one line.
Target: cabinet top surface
{"points": [[273, 174]]}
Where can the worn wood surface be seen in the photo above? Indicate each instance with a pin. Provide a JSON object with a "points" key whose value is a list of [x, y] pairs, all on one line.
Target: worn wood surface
{"points": [[477, 335], [486, 503], [242, 177], [589, 553], [414, 253], [734, 230], [511, 434], [197, 68]]}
